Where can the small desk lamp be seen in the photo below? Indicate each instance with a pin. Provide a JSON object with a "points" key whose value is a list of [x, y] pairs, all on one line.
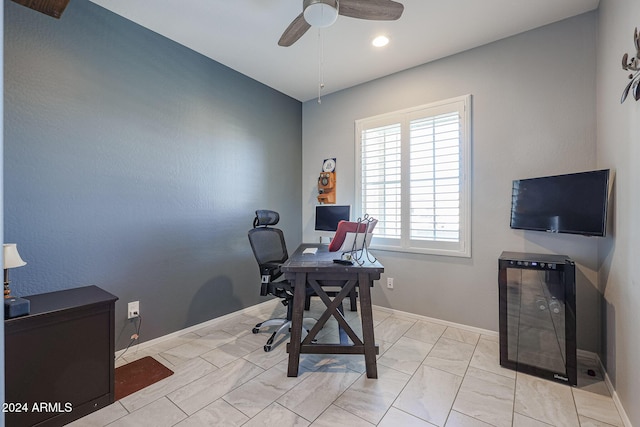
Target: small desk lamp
{"points": [[11, 260], [13, 306]]}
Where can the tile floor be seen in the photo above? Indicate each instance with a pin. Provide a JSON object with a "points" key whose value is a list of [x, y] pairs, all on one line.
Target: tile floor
{"points": [[429, 375]]}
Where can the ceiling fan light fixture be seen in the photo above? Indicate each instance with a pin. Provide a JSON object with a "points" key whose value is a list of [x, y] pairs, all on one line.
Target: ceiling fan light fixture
{"points": [[320, 13]]}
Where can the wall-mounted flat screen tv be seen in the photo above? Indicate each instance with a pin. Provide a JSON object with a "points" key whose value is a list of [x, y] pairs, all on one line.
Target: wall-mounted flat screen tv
{"points": [[574, 203], [328, 216]]}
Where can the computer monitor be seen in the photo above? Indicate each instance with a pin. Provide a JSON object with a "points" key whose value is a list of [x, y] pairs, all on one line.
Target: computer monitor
{"points": [[328, 216]]}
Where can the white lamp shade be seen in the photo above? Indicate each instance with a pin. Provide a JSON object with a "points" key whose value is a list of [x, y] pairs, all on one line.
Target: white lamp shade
{"points": [[321, 13], [12, 257]]}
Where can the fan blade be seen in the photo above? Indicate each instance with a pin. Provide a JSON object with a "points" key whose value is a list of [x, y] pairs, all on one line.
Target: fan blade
{"points": [[50, 7], [294, 31], [376, 10]]}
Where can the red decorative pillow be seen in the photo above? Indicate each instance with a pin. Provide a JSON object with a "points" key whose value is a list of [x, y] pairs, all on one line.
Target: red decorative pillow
{"points": [[345, 227]]}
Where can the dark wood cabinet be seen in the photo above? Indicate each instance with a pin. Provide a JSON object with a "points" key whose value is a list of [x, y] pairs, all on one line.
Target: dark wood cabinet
{"points": [[59, 359]]}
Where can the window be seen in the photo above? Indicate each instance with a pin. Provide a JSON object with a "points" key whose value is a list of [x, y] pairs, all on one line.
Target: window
{"points": [[413, 169]]}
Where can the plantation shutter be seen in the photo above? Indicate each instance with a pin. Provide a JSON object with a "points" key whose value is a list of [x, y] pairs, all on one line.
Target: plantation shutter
{"points": [[435, 178], [412, 175]]}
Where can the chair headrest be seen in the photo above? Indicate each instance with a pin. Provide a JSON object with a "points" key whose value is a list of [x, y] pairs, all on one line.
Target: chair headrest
{"points": [[265, 217]]}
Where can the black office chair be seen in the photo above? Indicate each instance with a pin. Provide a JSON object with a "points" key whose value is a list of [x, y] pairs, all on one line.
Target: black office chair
{"points": [[270, 251]]}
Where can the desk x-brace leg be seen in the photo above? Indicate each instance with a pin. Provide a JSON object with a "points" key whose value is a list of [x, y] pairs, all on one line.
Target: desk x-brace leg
{"points": [[297, 346]]}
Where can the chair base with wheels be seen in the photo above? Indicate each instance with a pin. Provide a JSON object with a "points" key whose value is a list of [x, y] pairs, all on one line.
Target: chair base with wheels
{"points": [[284, 327], [282, 290]]}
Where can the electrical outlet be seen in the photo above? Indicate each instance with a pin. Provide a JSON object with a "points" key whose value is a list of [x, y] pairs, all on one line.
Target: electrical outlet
{"points": [[390, 282], [133, 309]]}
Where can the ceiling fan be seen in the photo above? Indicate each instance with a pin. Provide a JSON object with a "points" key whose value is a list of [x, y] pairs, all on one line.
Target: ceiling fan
{"points": [[323, 13], [50, 7]]}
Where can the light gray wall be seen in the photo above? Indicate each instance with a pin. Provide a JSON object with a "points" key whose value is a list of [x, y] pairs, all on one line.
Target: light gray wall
{"points": [[533, 114], [619, 147], [136, 164]]}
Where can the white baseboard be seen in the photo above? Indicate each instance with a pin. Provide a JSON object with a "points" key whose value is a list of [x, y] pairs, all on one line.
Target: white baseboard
{"points": [[438, 321], [616, 400]]}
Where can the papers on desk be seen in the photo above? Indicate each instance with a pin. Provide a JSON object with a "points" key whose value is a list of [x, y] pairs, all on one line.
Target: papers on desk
{"points": [[311, 251], [355, 241]]}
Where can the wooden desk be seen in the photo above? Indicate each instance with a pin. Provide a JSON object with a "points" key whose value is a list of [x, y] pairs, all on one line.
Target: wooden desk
{"points": [[319, 271]]}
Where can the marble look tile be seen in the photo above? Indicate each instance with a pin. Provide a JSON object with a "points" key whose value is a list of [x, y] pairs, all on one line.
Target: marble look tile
{"points": [[215, 339], [429, 394], [231, 351], [397, 418], [487, 397], [456, 419], [185, 352], [545, 401], [450, 355], [238, 325], [158, 414], [520, 420], [257, 340], [493, 337], [461, 335], [277, 416], [333, 362], [590, 422], [383, 346], [330, 331], [392, 328], [487, 357], [172, 342], [317, 392], [102, 417], [597, 407], [264, 389], [206, 389], [379, 315], [428, 332], [269, 359], [219, 413], [335, 416], [187, 373], [370, 399], [593, 385], [406, 355]]}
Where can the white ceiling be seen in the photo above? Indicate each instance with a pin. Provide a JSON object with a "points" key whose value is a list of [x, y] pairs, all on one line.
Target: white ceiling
{"points": [[243, 35]]}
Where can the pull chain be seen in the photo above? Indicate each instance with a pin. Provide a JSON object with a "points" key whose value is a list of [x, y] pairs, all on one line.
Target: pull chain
{"points": [[320, 65]]}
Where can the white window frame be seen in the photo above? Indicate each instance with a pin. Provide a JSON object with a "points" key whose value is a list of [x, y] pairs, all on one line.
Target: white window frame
{"points": [[460, 248]]}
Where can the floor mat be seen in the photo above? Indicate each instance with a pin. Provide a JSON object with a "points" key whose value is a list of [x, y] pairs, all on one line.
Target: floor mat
{"points": [[137, 375]]}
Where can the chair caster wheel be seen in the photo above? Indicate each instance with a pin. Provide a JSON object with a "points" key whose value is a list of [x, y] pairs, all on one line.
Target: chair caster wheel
{"points": [[255, 330], [267, 348]]}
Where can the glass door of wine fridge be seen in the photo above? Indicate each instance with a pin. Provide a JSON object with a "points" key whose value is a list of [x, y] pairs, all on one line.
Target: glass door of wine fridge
{"points": [[537, 315]]}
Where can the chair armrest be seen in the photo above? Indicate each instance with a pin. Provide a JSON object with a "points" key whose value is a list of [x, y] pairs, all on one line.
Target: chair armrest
{"points": [[269, 272]]}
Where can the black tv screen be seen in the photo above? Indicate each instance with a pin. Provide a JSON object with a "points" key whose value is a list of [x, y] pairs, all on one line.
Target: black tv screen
{"points": [[573, 203], [328, 216]]}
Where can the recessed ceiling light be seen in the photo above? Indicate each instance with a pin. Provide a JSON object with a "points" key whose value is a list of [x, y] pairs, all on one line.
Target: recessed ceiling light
{"points": [[380, 41]]}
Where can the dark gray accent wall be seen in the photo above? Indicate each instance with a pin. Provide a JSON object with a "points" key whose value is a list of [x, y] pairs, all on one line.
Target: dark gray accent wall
{"points": [[2, 398], [135, 164]]}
